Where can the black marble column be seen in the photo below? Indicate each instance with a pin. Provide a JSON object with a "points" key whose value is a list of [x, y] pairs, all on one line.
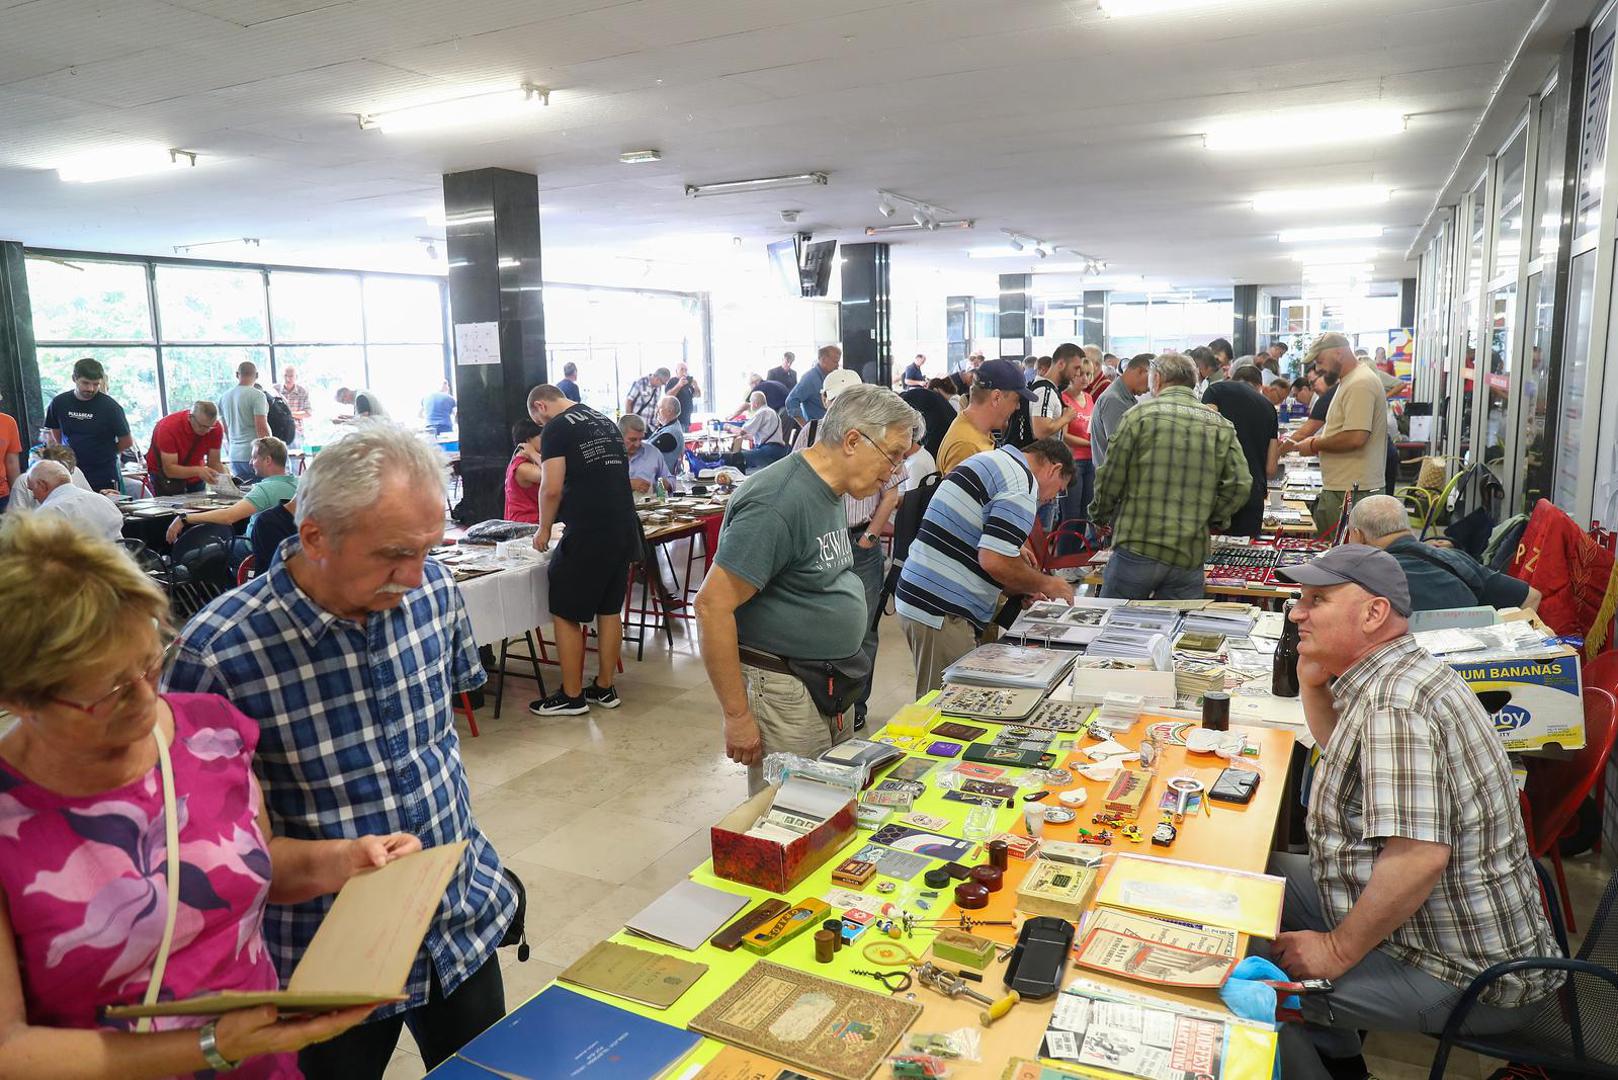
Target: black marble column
{"points": [[866, 312], [1407, 302], [1016, 323], [492, 227], [19, 366], [1244, 329], [957, 331], [1093, 330]]}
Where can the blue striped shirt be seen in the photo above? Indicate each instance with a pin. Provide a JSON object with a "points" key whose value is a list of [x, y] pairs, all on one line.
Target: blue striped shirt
{"points": [[357, 736], [986, 503]]}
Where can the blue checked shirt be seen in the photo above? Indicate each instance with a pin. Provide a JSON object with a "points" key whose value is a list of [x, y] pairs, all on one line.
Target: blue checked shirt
{"points": [[357, 737]]}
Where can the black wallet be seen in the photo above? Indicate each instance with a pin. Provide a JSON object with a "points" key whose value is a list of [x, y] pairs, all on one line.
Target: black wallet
{"points": [[1235, 785]]}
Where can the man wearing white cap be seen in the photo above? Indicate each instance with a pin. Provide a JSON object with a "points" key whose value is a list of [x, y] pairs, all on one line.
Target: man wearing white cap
{"points": [[1418, 876]]}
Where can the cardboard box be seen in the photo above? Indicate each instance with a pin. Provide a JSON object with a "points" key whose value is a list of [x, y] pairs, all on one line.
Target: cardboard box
{"points": [[768, 864], [1535, 701]]}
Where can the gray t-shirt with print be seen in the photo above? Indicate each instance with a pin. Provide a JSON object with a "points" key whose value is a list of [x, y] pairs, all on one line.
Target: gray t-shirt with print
{"points": [[786, 535]]}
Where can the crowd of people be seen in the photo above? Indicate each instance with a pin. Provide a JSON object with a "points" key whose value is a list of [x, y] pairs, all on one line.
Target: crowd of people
{"points": [[1411, 887]]}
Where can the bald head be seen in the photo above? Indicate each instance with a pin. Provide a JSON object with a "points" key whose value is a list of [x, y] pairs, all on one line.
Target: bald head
{"points": [[45, 477], [1378, 520]]}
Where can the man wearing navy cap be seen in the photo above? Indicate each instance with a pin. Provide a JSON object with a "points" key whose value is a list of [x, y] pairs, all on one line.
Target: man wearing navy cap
{"points": [[1418, 876], [997, 390]]}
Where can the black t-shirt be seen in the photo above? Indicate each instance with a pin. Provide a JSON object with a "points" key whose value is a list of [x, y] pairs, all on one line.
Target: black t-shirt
{"points": [[1317, 411], [775, 394], [783, 375], [937, 413], [913, 374], [92, 428], [596, 497], [1256, 424], [687, 392], [570, 388]]}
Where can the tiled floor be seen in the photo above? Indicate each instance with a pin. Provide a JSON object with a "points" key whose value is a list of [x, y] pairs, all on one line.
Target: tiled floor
{"points": [[600, 814]]}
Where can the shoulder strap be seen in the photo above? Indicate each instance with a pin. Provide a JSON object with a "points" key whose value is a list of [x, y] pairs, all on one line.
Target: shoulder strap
{"points": [[171, 838]]}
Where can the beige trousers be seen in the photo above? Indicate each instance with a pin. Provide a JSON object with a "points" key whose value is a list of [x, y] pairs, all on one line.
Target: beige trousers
{"points": [[788, 721]]}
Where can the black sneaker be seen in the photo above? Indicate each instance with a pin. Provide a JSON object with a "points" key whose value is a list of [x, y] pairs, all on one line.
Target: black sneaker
{"points": [[859, 719], [605, 697], [559, 704]]}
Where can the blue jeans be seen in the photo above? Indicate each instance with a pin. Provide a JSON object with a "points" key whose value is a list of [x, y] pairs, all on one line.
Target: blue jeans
{"points": [[869, 563], [1076, 500], [242, 470], [1134, 577], [760, 456]]}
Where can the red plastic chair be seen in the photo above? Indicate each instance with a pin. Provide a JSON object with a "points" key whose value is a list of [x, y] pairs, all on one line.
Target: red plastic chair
{"points": [[244, 571], [1602, 672], [1558, 787]]}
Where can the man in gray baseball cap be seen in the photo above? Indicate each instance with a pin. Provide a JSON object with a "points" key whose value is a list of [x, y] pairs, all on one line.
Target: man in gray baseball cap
{"points": [[1372, 569], [1418, 876]]}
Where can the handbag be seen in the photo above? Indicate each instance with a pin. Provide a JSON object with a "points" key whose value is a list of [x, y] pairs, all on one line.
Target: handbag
{"points": [[171, 838], [164, 484], [833, 685], [1434, 473]]}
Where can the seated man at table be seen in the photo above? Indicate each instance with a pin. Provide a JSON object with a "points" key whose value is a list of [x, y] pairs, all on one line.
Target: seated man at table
{"points": [[669, 438], [53, 489], [762, 430], [646, 464], [275, 486], [23, 499], [1439, 577], [970, 547], [185, 450], [1418, 875]]}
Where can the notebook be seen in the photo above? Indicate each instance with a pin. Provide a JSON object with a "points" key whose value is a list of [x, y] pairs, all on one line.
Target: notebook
{"points": [[687, 915], [560, 1035]]}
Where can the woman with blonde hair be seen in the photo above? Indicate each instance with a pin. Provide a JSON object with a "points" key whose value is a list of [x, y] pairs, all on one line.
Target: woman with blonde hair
{"points": [[135, 857]]}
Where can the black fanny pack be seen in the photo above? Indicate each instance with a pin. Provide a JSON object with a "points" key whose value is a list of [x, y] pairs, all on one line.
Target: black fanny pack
{"points": [[833, 685]]}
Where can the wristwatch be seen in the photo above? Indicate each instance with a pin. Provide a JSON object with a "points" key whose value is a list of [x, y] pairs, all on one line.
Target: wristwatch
{"points": [[209, 1042], [870, 537]]}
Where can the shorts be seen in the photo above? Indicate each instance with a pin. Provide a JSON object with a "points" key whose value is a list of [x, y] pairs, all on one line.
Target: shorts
{"points": [[585, 582]]}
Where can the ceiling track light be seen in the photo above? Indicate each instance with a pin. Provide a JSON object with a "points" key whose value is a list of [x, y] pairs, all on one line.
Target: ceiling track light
{"points": [[888, 201], [458, 112], [933, 225], [243, 241], [762, 183]]}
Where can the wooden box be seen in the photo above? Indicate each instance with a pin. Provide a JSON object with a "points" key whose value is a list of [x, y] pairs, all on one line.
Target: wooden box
{"points": [[772, 865]]}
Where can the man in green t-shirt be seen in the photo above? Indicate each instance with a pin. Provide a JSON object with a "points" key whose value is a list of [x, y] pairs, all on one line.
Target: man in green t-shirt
{"points": [[275, 486], [782, 584]]}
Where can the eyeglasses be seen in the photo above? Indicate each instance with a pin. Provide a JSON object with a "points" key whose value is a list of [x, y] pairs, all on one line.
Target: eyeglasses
{"points": [[117, 694], [895, 466]]}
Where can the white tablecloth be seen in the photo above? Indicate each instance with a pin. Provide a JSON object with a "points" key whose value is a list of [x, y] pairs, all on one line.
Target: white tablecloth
{"points": [[508, 603]]}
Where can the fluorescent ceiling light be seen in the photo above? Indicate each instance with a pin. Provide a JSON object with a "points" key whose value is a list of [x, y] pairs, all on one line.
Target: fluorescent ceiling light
{"points": [[1328, 233], [1325, 198], [1335, 256], [1303, 127], [1123, 9], [458, 112], [762, 183], [639, 157], [117, 162], [1335, 273]]}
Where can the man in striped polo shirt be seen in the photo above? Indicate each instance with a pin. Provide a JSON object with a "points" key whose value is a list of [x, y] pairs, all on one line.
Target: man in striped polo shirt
{"points": [[969, 550]]}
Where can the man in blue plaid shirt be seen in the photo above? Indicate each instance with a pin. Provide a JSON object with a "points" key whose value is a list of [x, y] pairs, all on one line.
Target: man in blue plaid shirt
{"points": [[348, 653]]}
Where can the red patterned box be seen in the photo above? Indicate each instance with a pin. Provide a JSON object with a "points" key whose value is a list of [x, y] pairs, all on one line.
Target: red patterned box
{"points": [[768, 864]]}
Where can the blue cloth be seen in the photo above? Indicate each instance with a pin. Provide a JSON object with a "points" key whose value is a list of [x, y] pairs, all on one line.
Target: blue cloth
{"points": [[804, 398], [987, 502], [357, 736], [570, 390], [648, 464], [1129, 576], [440, 412]]}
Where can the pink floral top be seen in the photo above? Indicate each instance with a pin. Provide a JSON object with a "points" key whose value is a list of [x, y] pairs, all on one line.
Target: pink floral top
{"points": [[86, 882]]}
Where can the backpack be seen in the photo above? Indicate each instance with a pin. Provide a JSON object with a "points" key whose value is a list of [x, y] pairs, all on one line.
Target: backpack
{"points": [[282, 425], [906, 526]]}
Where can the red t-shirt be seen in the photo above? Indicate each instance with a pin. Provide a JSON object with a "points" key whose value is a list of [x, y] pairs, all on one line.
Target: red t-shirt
{"points": [[10, 443], [175, 435]]}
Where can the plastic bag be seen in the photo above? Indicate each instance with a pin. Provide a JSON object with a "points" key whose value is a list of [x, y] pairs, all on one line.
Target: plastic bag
{"points": [[962, 1044]]}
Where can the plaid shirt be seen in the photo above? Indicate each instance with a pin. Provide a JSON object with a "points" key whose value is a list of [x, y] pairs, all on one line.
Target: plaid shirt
{"points": [[1173, 471], [357, 736], [643, 399], [1415, 755]]}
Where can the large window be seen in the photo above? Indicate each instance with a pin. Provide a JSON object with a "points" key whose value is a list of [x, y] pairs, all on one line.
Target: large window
{"points": [[338, 330]]}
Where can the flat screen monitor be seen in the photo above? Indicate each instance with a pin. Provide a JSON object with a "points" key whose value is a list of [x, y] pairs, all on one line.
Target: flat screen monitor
{"points": [[817, 263], [784, 262]]}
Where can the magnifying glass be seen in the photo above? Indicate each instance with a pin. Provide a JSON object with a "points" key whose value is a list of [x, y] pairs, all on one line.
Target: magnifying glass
{"points": [[1184, 787]]}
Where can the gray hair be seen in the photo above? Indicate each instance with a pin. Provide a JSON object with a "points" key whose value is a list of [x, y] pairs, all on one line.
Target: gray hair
{"points": [[1379, 516], [756, 399], [872, 410], [206, 411], [668, 404], [631, 422], [345, 478], [661, 373], [1173, 369], [53, 474]]}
